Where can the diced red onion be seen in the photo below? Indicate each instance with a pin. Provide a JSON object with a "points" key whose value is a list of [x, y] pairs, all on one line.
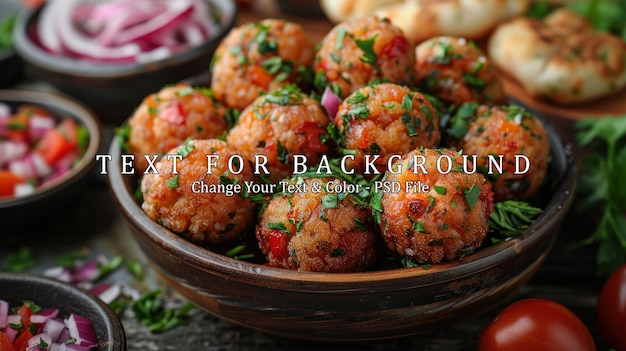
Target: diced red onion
{"points": [[5, 111], [86, 272], [44, 315], [12, 150], [81, 329], [54, 327], [30, 166], [11, 333], [128, 14], [4, 313], [23, 189], [36, 340], [331, 103], [109, 294], [64, 336], [38, 125], [58, 273], [46, 28], [14, 319], [57, 347]]}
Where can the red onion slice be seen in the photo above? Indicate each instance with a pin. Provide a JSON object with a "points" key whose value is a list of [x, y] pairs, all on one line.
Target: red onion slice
{"points": [[5, 111], [37, 340], [11, 333], [44, 315], [38, 125], [54, 327], [331, 103], [12, 150], [4, 313], [23, 189], [81, 330]]}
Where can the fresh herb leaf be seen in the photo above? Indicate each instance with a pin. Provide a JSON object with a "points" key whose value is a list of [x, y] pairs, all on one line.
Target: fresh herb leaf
{"points": [[172, 182], [471, 196], [407, 102], [278, 226], [283, 154], [511, 218], [123, 135], [135, 269], [69, 260], [150, 310], [108, 267], [185, 149], [441, 190], [367, 47], [19, 261], [601, 182]]}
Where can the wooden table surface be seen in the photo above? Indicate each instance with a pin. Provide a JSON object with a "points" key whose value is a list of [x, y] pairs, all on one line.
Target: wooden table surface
{"points": [[566, 277]]}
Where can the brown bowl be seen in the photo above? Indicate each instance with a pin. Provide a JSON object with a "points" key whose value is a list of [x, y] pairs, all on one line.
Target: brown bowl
{"points": [[115, 89], [356, 306], [49, 293], [44, 207]]}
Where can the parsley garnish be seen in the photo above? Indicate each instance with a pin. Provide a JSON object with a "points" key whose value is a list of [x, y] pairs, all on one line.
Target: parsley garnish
{"points": [[19, 261], [407, 102], [367, 46], [185, 149], [329, 201], [150, 310], [172, 182], [409, 122], [283, 154], [471, 195], [602, 183], [441, 190], [458, 124], [510, 218], [278, 226]]}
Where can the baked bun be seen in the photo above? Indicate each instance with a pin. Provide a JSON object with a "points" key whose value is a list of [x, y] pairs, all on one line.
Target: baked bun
{"points": [[424, 19], [562, 58]]}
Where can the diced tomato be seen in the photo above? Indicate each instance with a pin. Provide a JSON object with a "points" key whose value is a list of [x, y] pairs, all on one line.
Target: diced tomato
{"points": [[25, 314], [17, 128], [278, 245], [5, 345], [53, 146], [312, 132], [68, 129], [21, 343], [8, 181], [259, 76], [173, 114], [397, 47], [363, 141]]}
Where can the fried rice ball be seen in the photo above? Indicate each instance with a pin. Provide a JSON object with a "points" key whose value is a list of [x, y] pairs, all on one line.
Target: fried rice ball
{"points": [[259, 57], [508, 131], [385, 120], [279, 125], [447, 221], [179, 202], [354, 53], [167, 118], [320, 231], [457, 71]]}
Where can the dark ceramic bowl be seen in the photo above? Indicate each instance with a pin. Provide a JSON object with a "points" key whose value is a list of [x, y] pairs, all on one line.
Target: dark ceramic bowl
{"points": [[44, 207], [115, 89], [48, 293], [356, 306]]}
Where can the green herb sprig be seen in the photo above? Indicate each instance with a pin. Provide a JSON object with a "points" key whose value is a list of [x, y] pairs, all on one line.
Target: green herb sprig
{"points": [[510, 219], [602, 184]]}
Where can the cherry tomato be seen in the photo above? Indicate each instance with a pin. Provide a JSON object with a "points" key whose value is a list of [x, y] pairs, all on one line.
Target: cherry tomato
{"points": [[611, 309], [538, 325]]}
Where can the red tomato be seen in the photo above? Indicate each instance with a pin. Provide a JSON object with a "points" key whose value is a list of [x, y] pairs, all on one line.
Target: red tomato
{"points": [[312, 132], [611, 309], [21, 343], [53, 146], [25, 314], [278, 245], [5, 345], [538, 325], [8, 181]]}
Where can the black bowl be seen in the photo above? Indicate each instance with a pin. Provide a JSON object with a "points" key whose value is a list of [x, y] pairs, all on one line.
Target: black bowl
{"points": [[115, 89], [11, 65], [48, 293], [44, 207]]}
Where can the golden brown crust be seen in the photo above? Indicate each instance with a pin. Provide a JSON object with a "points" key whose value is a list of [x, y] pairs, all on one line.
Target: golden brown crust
{"points": [[317, 231], [166, 118], [562, 59], [438, 224], [207, 217]]}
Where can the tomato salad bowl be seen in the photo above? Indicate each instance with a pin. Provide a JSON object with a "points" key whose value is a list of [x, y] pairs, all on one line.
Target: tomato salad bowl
{"points": [[349, 307], [44, 121]]}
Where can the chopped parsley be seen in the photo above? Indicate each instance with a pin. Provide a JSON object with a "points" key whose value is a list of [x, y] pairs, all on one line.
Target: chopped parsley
{"points": [[441, 190], [471, 195], [278, 226], [283, 154], [367, 46], [460, 120], [407, 102], [172, 182], [409, 122], [185, 149]]}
